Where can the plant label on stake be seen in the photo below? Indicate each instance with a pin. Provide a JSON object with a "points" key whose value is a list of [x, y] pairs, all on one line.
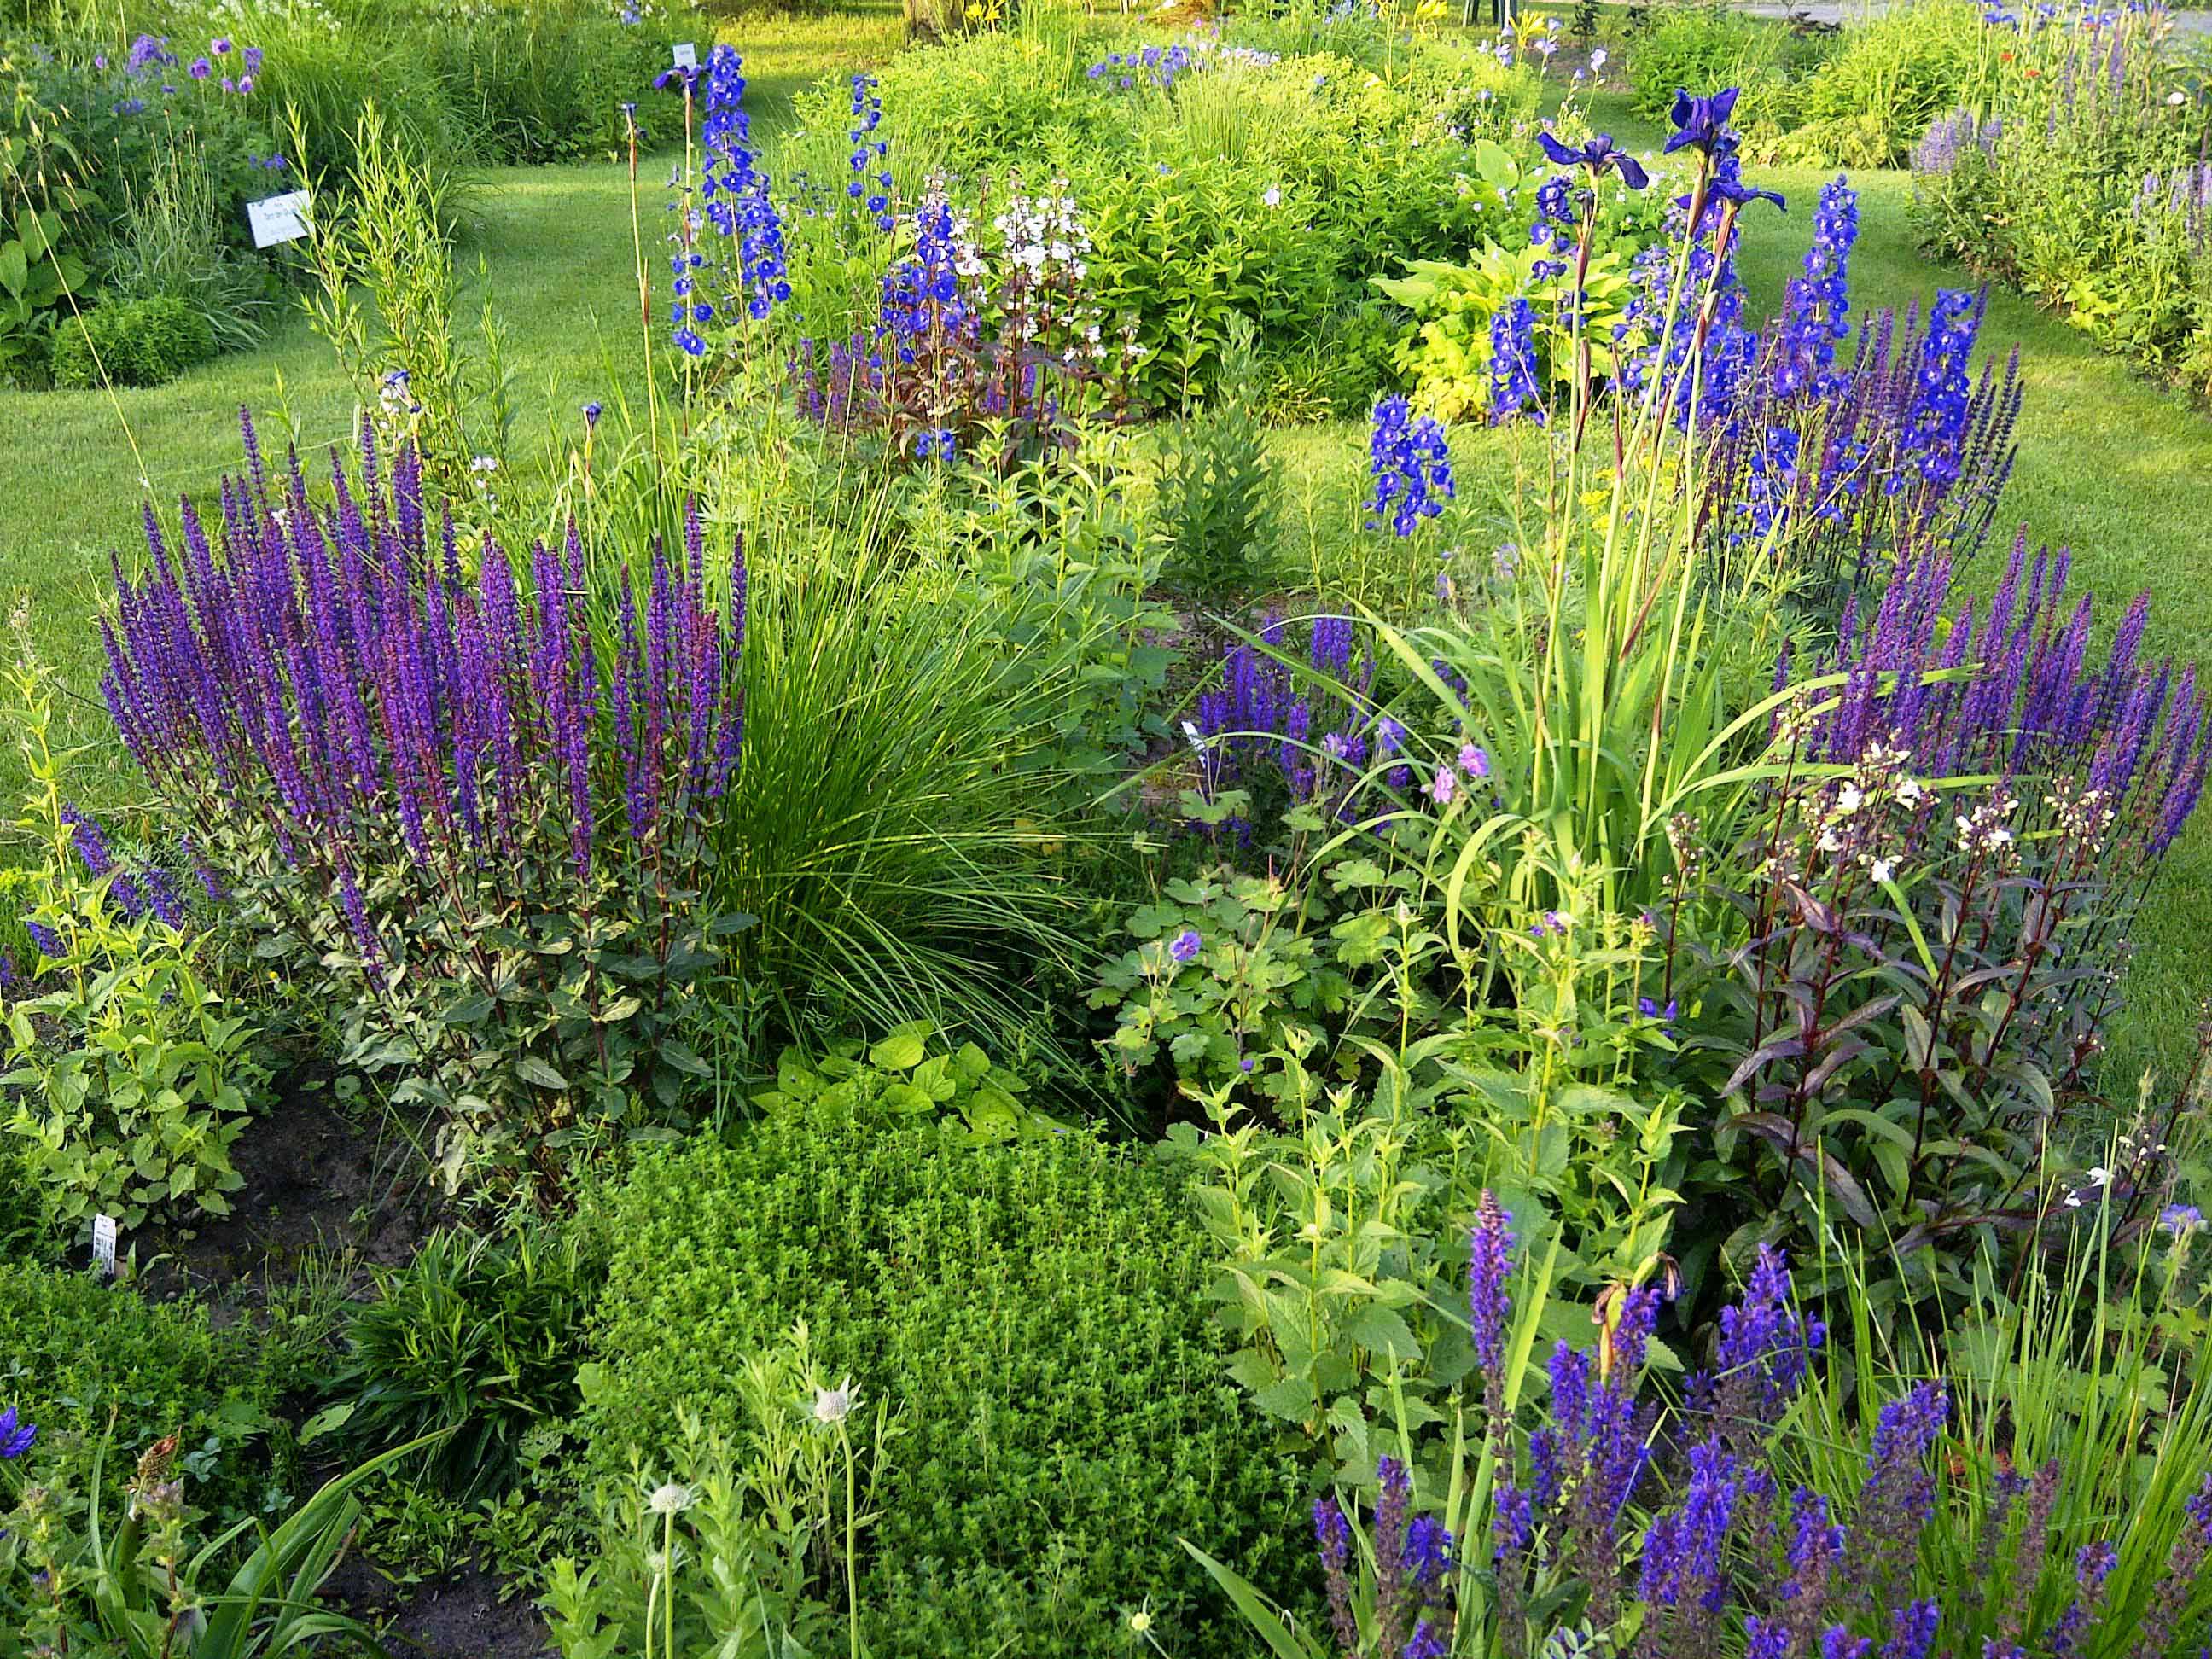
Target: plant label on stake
{"points": [[276, 219], [687, 54], [103, 1245]]}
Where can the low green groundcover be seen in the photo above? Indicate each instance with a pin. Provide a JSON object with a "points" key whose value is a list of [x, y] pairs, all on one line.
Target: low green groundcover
{"points": [[1035, 1311], [81, 1357]]}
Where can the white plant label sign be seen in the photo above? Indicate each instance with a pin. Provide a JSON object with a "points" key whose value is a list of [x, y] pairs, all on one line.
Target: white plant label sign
{"points": [[278, 219], [103, 1244], [687, 54]]}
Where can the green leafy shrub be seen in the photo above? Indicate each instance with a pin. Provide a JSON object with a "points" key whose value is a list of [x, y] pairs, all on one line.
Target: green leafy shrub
{"points": [[1445, 354], [1034, 1311], [899, 1078], [1702, 47], [133, 342], [1226, 979], [2082, 191], [1183, 251], [1870, 103], [475, 1337], [1219, 493], [540, 83], [79, 1351], [982, 104], [38, 273], [132, 1073]]}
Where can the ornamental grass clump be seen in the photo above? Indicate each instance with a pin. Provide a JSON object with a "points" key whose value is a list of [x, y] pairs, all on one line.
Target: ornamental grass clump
{"points": [[466, 809]]}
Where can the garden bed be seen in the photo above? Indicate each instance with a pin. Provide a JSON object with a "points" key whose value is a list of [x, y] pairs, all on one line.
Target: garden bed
{"points": [[1105, 835]]}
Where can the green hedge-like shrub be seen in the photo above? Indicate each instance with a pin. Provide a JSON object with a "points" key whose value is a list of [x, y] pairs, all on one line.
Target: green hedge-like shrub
{"points": [[1036, 1312], [76, 1349], [138, 343], [1870, 103], [1704, 50], [534, 85]]}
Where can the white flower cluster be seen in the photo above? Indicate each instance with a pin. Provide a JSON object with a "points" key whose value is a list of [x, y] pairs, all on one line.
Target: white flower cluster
{"points": [[1985, 830], [1045, 231]]}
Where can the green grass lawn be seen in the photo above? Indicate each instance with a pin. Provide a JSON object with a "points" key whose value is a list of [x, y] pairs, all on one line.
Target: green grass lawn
{"points": [[557, 245], [2109, 466]]}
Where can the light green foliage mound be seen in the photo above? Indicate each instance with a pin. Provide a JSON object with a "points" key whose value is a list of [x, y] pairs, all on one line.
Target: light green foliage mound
{"points": [[131, 342], [1869, 104], [1033, 1310], [1703, 48], [80, 1353], [1268, 179]]}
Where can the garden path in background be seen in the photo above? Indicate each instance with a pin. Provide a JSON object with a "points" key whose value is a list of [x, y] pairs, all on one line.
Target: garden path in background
{"points": [[1829, 13]]}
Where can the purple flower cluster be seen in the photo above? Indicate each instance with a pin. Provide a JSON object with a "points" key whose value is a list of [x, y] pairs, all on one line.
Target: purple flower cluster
{"points": [[1950, 136], [1513, 383], [1413, 1566], [1587, 1462], [1161, 66], [16, 1437], [225, 65], [331, 687], [1723, 1559], [2010, 689], [917, 373], [734, 201], [1766, 1349], [1936, 422], [1489, 1268], [150, 889], [1410, 461], [1317, 733], [1894, 448], [1818, 305]]}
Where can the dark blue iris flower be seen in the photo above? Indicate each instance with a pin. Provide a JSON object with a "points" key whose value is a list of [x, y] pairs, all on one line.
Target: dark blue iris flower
{"points": [[1738, 194], [1702, 123], [1600, 156]]}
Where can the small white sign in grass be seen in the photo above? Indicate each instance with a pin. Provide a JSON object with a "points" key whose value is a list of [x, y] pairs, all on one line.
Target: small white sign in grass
{"points": [[276, 219]]}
